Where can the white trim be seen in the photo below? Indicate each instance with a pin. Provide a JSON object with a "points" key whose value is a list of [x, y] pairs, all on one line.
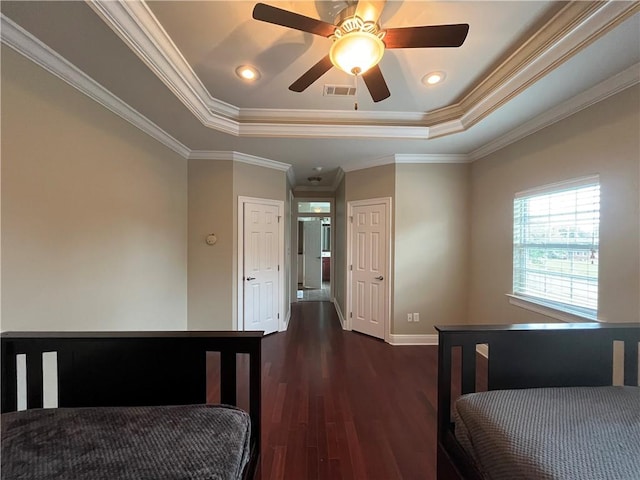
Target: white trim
{"points": [[26, 44], [362, 164], [360, 117], [343, 322], [238, 157], [388, 203], [406, 158], [603, 90], [240, 254], [300, 130], [589, 180], [573, 28], [141, 31], [547, 311], [417, 339], [431, 158], [23, 42]]}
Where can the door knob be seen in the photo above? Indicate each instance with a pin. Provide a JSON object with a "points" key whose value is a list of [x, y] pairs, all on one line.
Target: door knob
{"points": [[250, 278], [380, 278]]}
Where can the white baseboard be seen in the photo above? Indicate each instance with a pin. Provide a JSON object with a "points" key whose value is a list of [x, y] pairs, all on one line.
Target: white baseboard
{"points": [[420, 339], [339, 312]]}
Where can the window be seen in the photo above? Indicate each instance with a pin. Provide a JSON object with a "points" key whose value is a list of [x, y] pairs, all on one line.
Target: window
{"points": [[555, 246], [314, 207]]}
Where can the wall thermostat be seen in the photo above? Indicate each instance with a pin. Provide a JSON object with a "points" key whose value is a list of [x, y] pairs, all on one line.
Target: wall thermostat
{"points": [[211, 239]]}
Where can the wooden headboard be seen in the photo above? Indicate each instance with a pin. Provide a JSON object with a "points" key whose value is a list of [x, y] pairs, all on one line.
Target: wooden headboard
{"points": [[527, 356], [100, 369]]}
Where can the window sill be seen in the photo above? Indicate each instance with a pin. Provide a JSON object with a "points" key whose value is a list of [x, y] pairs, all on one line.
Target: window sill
{"points": [[548, 310]]}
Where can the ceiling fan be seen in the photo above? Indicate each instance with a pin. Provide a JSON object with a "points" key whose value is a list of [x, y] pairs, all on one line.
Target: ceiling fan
{"points": [[359, 42]]}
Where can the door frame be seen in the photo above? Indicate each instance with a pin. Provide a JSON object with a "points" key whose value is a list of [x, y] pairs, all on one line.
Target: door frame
{"points": [[239, 324], [294, 251], [387, 202]]}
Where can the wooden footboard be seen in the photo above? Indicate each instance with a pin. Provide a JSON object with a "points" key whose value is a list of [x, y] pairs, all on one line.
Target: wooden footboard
{"points": [[98, 369], [525, 356]]}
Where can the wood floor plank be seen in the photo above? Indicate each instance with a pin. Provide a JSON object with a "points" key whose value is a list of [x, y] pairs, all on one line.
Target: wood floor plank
{"points": [[342, 405]]}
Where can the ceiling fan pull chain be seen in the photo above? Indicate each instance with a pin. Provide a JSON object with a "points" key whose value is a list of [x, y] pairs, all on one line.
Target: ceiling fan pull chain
{"points": [[355, 87]]}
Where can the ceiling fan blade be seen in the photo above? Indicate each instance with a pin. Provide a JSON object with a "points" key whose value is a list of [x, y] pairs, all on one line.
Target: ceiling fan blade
{"points": [[311, 75], [374, 81], [285, 18], [426, 36], [370, 10]]}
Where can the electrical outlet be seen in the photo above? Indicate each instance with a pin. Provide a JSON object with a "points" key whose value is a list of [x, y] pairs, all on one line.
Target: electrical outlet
{"points": [[416, 317], [409, 317]]}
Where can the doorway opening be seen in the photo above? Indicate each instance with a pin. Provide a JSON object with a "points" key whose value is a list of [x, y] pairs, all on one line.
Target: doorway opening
{"points": [[314, 259]]}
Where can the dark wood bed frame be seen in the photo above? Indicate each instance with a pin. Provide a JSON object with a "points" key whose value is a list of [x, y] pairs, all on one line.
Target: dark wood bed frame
{"points": [[525, 356], [100, 369]]}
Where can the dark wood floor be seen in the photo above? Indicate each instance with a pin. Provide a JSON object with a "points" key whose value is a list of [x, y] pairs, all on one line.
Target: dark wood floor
{"points": [[341, 405]]}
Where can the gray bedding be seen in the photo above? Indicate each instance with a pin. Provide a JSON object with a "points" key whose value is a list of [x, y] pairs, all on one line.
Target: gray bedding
{"points": [[584, 433], [196, 442]]}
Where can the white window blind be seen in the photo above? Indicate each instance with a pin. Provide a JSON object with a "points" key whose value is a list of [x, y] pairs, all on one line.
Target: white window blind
{"points": [[555, 245]]}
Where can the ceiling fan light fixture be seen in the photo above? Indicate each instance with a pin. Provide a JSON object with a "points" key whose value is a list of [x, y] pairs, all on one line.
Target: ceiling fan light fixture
{"points": [[247, 72], [433, 78], [356, 52]]}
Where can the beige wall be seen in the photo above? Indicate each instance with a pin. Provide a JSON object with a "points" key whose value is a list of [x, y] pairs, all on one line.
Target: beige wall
{"points": [[94, 233], [258, 182], [602, 139], [214, 187], [372, 182], [431, 246], [210, 266]]}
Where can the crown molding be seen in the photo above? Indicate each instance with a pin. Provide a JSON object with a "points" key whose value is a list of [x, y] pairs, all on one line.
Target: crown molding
{"points": [[27, 45], [406, 158], [284, 130], [573, 27], [369, 163], [431, 158], [140, 30], [238, 157], [625, 79], [360, 117], [30, 47]]}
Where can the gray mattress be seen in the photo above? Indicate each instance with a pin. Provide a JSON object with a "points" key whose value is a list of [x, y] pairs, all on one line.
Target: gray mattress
{"points": [[552, 433], [203, 442]]}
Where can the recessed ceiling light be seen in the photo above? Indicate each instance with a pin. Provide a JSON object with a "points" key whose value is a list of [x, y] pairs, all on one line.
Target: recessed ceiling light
{"points": [[247, 72], [433, 78]]}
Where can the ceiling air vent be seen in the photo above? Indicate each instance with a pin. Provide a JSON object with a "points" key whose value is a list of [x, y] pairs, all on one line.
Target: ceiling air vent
{"points": [[339, 90]]}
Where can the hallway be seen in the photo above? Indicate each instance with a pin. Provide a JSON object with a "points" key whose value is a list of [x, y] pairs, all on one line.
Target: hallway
{"points": [[339, 404]]}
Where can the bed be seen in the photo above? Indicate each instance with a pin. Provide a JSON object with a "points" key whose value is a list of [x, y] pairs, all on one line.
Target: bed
{"points": [[130, 405], [550, 411]]}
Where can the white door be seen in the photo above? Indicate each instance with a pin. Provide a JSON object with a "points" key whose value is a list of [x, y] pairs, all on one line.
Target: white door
{"points": [[313, 253], [261, 275], [369, 260]]}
